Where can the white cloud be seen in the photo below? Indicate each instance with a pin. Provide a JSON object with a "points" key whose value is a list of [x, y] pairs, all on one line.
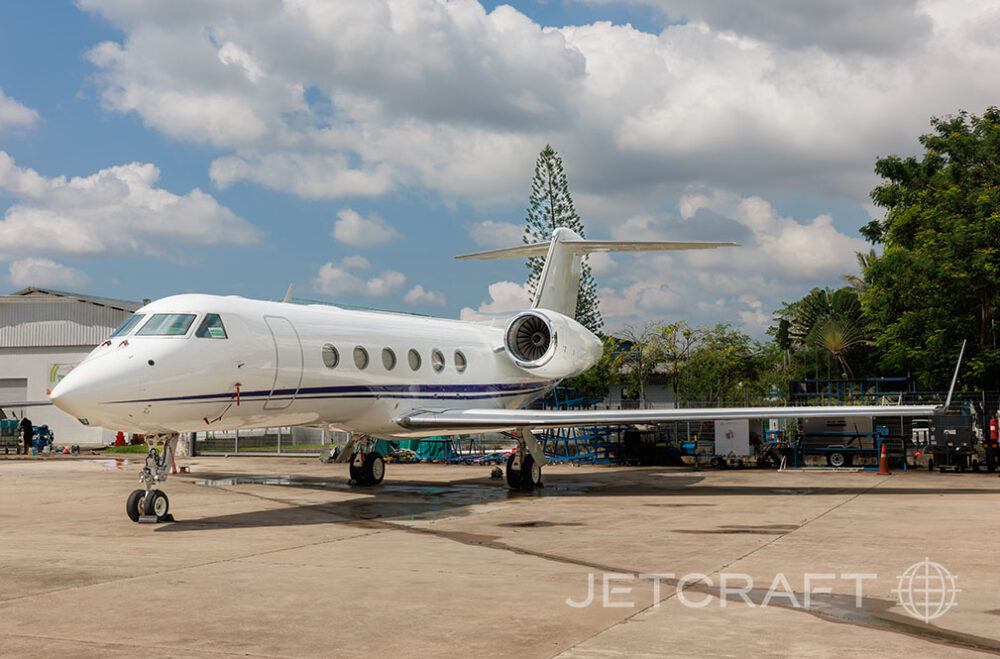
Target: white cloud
{"points": [[418, 295], [46, 273], [356, 262], [496, 234], [887, 26], [14, 115], [118, 210], [602, 264], [505, 297], [357, 231], [306, 175], [337, 280], [780, 260], [332, 99]]}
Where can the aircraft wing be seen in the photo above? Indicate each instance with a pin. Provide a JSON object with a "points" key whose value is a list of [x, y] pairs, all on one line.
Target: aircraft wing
{"points": [[465, 420], [23, 403]]}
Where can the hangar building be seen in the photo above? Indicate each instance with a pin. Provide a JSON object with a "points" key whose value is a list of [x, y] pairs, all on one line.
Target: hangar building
{"points": [[43, 335]]}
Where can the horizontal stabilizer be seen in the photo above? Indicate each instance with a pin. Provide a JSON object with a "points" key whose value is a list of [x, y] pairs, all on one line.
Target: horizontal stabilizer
{"points": [[590, 246]]}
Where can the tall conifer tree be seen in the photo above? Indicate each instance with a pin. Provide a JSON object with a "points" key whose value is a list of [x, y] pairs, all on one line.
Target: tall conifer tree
{"points": [[549, 207]]}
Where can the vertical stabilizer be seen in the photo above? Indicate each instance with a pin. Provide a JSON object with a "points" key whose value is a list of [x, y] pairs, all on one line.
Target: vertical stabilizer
{"points": [[559, 283]]}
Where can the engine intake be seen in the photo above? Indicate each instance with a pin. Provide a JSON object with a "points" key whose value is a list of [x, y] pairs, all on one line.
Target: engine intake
{"points": [[550, 345], [530, 340]]}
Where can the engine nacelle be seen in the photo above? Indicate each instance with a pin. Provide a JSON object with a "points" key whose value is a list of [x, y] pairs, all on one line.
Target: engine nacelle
{"points": [[551, 345]]}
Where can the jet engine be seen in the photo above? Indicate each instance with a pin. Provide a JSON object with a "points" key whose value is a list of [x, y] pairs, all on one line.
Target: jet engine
{"points": [[551, 345]]}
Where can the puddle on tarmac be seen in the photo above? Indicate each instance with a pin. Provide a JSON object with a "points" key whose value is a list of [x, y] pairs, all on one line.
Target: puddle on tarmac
{"points": [[400, 500], [111, 463]]}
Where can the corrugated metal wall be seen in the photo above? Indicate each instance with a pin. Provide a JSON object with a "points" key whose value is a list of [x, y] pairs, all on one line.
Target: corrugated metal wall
{"points": [[52, 323]]}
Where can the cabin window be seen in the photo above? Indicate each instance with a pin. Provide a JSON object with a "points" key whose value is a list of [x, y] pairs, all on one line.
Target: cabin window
{"points": [[330, 356], [414, 358], [211, 328], [388, 359], [129, 324], [437, 360], [460, 362], [360, 358], [167, 324]]}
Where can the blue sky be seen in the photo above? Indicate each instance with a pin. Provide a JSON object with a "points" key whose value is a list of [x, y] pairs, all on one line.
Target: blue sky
{"points": [[355, 148]]}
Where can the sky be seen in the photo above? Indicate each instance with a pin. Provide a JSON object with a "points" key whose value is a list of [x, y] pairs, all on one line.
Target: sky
{"points": [[149, 148]]}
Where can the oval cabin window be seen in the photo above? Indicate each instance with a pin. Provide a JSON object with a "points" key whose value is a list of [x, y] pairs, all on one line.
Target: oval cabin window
{"points": [[330, 356]]}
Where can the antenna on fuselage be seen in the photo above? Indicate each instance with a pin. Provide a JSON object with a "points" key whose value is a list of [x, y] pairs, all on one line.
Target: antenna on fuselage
{"points": [[288, 294]]}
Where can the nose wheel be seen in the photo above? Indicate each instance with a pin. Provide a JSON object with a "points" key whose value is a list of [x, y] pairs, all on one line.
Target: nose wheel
{"points": [[151, 504]]}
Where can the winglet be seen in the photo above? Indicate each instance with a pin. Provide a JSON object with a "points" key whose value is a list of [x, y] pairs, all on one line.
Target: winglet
{"points": [[288, 294], [947, 403]]}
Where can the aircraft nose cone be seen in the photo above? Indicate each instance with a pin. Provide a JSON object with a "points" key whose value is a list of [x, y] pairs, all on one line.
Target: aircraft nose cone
{"points": [[82, 393], [69, 396]]}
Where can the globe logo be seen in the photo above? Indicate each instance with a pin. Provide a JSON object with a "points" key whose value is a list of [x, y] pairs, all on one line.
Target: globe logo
{"points": [[926, 590]]}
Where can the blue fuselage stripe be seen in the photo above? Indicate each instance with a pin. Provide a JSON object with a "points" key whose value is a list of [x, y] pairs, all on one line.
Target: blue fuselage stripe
{"points": [[405, 391]]}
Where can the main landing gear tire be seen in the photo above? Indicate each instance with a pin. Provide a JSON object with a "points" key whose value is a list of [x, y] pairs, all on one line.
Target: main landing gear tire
{"points": [[528, 477], [157, 504], [374, 469], [356, 467], [368, 469], [134, 504]]}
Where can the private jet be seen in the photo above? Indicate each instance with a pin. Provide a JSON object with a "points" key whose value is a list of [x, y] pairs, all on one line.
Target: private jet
{"points": [[189, 363]]}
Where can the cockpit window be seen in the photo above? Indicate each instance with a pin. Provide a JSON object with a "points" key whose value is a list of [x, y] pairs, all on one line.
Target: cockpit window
{"points": [[167, 324], [211, 328], [129, 324]]}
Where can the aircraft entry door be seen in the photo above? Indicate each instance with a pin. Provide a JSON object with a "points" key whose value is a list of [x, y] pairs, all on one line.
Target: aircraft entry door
{"points": [[288, 363]]}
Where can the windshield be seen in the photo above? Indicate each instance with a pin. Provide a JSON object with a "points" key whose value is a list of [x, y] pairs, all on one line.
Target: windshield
{"points": [[167, 324], [128, 325], [211, 328]]}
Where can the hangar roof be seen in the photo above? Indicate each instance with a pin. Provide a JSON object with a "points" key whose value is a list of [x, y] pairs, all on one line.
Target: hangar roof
{"points": [[40, 317]]}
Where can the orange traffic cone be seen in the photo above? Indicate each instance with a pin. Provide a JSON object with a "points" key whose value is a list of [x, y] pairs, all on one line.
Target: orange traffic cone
{"points": [[883, 463]]}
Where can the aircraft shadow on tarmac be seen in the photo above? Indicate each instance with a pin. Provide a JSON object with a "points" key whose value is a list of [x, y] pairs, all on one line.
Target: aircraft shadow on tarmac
{"points": [[400, 501]]}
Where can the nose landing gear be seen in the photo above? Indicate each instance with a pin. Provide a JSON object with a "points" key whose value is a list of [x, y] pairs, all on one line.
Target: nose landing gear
{"points": [[151, 505]]}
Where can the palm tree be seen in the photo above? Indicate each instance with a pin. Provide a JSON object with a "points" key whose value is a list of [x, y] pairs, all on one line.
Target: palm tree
{"points": [[830, 320], [836, 335], [864, 262]]}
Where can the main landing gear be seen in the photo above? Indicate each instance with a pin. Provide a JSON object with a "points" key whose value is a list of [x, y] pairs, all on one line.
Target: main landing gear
{"points": [[524, 466], [367, 465], [150, 504]]}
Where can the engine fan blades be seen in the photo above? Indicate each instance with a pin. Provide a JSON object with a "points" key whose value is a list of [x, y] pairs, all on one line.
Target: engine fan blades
{"points": [[532, 338]]}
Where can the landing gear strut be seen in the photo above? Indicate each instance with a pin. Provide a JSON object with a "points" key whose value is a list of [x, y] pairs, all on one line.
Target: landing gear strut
{"points": [[150, 504], [367, 466], [524, 466]]}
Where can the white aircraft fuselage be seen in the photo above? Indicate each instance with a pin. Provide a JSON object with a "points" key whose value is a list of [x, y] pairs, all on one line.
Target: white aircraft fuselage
{"points": [[271, 369]]}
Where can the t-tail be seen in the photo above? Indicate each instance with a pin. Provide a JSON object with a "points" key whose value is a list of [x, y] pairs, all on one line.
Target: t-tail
{"points": [[559, 282]]}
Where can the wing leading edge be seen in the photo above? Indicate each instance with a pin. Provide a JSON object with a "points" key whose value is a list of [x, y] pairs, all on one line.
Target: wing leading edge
{"points": [[502, 419]]}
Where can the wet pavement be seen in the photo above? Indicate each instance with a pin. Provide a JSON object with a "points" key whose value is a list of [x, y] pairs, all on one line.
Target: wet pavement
{"points": [[281, 557]]}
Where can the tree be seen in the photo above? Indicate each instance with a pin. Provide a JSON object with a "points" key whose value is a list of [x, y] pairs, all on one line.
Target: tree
{"points": [[549, 207], [830, 320], [937, 280], [720, 368], [633, 357], [865, 259]]}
